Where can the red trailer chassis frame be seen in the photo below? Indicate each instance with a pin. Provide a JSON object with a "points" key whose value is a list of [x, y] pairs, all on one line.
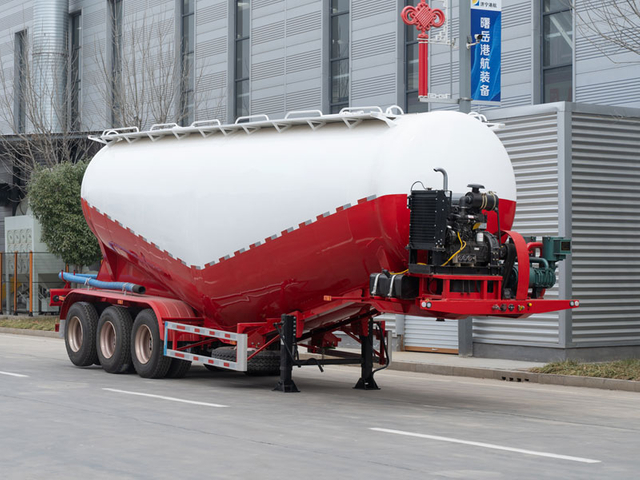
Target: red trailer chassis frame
{"points": [[182, 329]]}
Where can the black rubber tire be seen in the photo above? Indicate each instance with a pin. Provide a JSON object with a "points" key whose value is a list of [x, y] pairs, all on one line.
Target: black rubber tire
{"points": [[145, 329], [265, 364], [119, 319], [178, 368], [81, 344]]}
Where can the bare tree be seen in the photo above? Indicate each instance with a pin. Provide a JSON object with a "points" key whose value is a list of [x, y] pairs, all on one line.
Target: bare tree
{"points": [[140, 77], [145, 75], [610, 26], [32, 135]]}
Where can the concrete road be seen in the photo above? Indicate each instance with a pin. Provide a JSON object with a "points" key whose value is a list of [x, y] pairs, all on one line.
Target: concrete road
{"points": [[60, 421]]}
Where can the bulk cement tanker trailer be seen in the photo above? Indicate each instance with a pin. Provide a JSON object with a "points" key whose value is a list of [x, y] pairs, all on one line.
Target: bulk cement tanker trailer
{"points": [[232, 245]]}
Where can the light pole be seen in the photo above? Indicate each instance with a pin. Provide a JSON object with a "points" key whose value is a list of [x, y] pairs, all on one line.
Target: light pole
{"points": [[464, 65]]}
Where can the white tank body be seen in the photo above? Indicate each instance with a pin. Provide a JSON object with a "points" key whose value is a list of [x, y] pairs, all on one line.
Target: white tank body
{"points": [[202, 199]]}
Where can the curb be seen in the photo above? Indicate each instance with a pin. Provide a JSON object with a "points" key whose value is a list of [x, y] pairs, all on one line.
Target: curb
{"points": [[33, 333], [518, 376]]}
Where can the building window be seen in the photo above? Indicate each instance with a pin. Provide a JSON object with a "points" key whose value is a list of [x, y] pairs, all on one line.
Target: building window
{"points": [[557, 51], [243, 30], [339, 55], [20, 79], [74, 72], [117, 94], [412, 103], [187, 35]]}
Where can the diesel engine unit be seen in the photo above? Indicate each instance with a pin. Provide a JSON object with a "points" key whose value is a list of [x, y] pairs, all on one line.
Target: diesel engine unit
{"points": [[449, 239]]}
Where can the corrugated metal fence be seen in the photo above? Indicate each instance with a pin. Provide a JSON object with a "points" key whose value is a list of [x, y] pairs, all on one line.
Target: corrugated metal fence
{"points": [[532, 143], [578, 174], [606, 229]]}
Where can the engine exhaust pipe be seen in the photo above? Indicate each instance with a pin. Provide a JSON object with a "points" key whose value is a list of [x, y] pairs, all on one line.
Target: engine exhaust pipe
{"points": [[445, 177]]}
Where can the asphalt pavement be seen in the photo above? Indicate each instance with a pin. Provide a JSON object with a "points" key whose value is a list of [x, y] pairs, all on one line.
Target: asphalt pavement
{"points": [[60, 421]]}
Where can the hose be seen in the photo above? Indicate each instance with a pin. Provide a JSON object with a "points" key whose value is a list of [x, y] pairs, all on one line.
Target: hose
{"points": [[85, 279], [386, 350], [462, 247]]}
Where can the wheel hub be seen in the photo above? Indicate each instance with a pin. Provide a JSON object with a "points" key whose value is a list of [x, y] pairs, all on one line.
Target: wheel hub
{"points": [[108, 340], [143, 344], [74, 334]]}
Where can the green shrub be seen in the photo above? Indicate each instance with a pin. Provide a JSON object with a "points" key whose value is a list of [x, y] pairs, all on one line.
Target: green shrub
{"points": [[54, 197]]}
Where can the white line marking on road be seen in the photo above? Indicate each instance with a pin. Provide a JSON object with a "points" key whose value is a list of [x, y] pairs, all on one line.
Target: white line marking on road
{"points": [[161, 397], [487, 445], [14, 374]]}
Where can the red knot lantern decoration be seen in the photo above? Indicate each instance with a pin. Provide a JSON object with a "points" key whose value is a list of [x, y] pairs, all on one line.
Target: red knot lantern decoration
{"points": [[423, 17]]}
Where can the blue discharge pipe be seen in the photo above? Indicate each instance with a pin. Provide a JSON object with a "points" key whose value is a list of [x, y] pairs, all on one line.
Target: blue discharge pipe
{"points": [[86, 275], [89, 279]]}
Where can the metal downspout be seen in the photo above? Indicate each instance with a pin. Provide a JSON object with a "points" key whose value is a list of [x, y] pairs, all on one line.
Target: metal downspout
{"points": [[50, 59]]}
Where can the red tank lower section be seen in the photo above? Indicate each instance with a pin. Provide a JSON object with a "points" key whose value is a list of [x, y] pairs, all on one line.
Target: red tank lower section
{"points": [[293, 272]]}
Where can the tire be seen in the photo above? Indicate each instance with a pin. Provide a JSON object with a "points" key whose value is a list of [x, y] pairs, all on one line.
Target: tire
{"points": [[80, 334], [265, 364], [147, 350], [113, 340], [178, 368]]}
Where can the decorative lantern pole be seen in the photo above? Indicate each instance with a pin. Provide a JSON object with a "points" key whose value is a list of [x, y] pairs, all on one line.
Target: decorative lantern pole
{"points": [[423, 17]]}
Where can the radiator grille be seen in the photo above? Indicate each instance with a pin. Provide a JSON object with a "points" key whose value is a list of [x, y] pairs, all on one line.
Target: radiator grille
{"points": [[429, 211]]}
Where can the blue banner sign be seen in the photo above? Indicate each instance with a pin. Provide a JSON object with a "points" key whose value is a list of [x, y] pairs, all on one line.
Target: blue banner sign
{"points": [[486, 20]]}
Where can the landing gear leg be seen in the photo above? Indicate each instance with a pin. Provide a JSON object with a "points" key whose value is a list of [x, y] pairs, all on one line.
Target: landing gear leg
{"points": [[287, 346], [366, 381]]}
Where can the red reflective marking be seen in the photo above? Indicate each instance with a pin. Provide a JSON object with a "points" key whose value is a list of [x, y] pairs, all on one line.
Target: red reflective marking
{"points": [[226, 335], [211, 362], [181, 327], [226, 364], [197, 330], [180, 355], [196, 359]]}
